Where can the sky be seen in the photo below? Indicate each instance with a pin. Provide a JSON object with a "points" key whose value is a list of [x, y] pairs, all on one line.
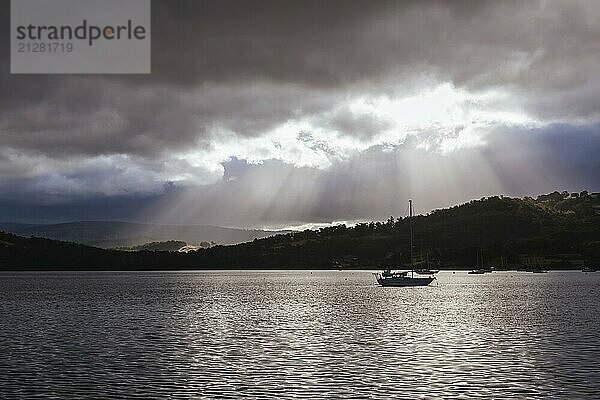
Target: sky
{"points": [[300, 113]]}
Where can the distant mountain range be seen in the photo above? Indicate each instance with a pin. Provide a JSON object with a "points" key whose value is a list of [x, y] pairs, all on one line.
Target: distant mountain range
{"points": [[112, 234], [170, 245]]}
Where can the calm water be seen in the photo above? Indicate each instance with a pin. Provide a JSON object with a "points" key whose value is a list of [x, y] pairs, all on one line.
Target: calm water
{"points": [[298, 334]]}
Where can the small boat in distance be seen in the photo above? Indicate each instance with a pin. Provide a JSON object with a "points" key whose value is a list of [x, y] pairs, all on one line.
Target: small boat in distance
{"points": [[477, 271], [402, 278], [535, 266], [426, 271], [480, 270], [588, 269]]}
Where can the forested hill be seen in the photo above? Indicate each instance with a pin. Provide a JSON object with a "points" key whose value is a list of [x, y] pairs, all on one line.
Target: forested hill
{"points": [[559, 230]]}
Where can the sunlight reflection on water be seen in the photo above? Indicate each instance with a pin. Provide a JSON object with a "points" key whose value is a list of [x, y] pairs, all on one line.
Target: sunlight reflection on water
{"points": [[298, 334]]}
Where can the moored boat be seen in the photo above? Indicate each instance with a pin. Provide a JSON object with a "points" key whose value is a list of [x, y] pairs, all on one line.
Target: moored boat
{"points": [[480, 270], [477, 271], [426, 271], [403, 278]]}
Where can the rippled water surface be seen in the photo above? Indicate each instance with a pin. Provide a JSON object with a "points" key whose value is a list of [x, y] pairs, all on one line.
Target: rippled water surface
{"points": [[324, 334]]}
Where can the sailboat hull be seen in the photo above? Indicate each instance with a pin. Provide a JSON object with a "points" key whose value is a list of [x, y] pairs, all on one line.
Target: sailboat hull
{"points": [[404, 281]]}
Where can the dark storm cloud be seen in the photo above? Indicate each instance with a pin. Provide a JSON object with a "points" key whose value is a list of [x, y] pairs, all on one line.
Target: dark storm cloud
{"points": [[565, 154], [123, 208], [250, 65], [90, 116], [536, 46], [306, 42]]}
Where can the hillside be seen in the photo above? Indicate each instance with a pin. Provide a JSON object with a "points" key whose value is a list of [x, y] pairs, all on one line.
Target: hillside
{"points": [[559, 230], [112, 234]]}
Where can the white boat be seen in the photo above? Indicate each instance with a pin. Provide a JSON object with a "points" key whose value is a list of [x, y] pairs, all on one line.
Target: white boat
{"points": [[403, 278], [426, 271]]}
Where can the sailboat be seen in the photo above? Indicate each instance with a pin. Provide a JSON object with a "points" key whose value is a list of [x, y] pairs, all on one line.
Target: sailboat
{"points": [[427, 270], [536, 267], [480, 270], [404, 278]]}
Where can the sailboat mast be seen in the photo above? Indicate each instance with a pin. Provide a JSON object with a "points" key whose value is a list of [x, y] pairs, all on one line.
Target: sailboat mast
{"points": [[410, 214]]}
